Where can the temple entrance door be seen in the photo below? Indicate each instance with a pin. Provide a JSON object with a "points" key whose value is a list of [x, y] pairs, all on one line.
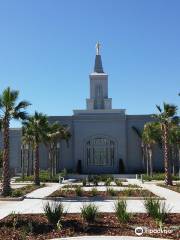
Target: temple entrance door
{"points": [[100, 152]]}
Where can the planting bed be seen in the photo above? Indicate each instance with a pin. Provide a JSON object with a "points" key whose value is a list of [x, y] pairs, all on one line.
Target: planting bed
{"points": [[90, 185], [175, 187], [72, 193], [19, 193], [36, 227]]}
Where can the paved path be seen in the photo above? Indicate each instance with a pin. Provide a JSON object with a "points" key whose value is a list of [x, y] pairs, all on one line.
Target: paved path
{"points": [[34, 202], [172, 197]]}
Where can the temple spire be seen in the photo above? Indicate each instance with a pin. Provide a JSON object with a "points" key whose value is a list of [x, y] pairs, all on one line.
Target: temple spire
{"points": [[98, 68]]}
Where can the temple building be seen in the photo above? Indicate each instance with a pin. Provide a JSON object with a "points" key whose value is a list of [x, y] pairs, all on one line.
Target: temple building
{"points": [[103, 139]]}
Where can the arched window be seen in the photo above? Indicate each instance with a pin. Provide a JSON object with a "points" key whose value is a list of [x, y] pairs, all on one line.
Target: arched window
{"points": [[100, 151]]}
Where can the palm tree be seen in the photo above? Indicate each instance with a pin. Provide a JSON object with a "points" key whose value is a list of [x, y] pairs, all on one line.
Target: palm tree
{"points": [[150, 137], [143, 152], [175, 147], [27, 148], [10, 109], [56, 133], [167, 118], [35, 129]]}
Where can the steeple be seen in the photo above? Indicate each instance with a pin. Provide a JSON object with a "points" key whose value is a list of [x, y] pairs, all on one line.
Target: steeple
{"points": [[98, 68], [98, 86]]}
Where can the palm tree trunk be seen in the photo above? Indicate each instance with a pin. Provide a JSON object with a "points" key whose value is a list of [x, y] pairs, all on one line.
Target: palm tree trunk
{"points": [[36, 166], [32, 161], [147, 160], [6, 187], [150, 161], [28, 162], [143, 156], [22, 159], [50, 162], [168, 178], [179, 162], [53, 162]]}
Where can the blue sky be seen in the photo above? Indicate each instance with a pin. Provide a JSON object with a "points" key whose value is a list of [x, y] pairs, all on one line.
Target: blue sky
{"points": [[47, 50]]}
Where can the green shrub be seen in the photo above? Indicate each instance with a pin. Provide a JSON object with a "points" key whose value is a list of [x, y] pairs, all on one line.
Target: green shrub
{"points": [[94, 191], [96, 180], [24, 190], [158, 177], [44, 176], [118, 182], [54, 212], [89, 213], [121, 211], [133, 186], [79, 167], [128, 192], [90, 178], [111, 192], [108, 182], [105, 177], [79, 191], [156, 209], [121, 166], [17, 193], [84, 182]]}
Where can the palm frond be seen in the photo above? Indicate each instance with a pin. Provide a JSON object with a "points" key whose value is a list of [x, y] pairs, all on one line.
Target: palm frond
{"points": [[20, 115], [137, 131], [159, 108], [22, 105]]}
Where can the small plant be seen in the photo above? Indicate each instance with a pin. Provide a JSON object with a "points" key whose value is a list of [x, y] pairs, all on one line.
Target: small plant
{"points": [[84, 182], [118, 182], [133, 186], [94, 191], [54, 212], [96, 180], [79, 191], [128, 192], [108, 182], [111, 192], [15, 220], [89, 213], [17, 193], [121, 211], [156, 209], [104, 177], [90, 178]]}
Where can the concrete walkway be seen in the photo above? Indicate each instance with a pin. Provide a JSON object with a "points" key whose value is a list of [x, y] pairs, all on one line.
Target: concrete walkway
{"points": [[33, 202], [172, 197]]}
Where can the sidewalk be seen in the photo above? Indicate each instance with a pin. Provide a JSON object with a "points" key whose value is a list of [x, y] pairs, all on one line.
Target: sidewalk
{"points": [[172, 197], [31, 204]]}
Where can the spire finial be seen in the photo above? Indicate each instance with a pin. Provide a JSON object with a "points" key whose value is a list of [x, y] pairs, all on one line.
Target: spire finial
{"points": [[98, 45]]}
